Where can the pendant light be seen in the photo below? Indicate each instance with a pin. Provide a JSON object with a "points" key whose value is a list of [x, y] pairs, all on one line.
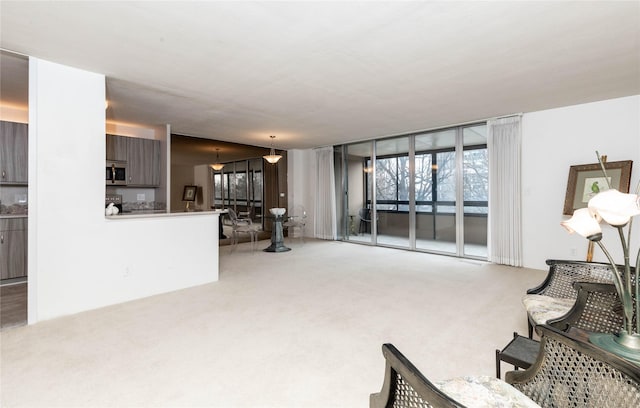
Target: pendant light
{"points": [[217, 166], [272, 157]]}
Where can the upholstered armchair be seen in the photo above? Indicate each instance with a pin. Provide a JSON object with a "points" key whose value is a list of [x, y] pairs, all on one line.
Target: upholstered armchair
{"points": [[405, 386], [597, 309], [571, 372], [557, 294], [567, 373]]}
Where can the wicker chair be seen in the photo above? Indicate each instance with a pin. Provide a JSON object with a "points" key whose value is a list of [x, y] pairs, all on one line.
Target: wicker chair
{"points": [[597, 309], [405, 387], [570, 372], [557, 294], [567, 373]]}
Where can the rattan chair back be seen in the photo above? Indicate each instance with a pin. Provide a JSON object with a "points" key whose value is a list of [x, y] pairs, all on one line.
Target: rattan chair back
{"points": [[571, 373]]}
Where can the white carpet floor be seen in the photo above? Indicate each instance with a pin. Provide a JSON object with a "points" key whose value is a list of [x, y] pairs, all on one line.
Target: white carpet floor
{"points": [[297, 329]]}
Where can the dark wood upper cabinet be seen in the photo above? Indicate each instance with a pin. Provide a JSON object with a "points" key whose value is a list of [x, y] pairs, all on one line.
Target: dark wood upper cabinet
{"points": [[142, 157], [14, 147]]}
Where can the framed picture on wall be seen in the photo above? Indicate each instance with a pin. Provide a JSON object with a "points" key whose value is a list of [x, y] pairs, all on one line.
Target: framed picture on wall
{"points": [[587, 180], [189, 193]]}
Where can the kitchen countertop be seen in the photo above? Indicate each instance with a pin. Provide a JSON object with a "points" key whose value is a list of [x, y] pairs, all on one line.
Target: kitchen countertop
{"points": [[162, 214], [134, 212]]}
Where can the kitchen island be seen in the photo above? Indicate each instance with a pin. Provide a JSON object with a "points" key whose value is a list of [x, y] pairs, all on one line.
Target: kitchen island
{"points": [[133, 256]]}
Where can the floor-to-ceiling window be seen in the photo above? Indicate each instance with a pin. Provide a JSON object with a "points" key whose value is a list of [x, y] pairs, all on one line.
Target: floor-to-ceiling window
{"points": [[392, 179], [475, 165], [424, 191], [435, 163], [239, 185]]}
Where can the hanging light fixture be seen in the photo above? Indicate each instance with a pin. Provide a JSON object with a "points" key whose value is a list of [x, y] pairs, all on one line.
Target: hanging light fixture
{"points": [[272, 157], [217, 166]]}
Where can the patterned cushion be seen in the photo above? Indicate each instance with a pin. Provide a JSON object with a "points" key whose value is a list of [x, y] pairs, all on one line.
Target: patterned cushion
{"points": [[484, 391], [542, 308]]}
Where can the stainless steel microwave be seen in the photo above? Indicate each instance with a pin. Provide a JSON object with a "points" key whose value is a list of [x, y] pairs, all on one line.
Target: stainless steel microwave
{"points": [[116, 173]]}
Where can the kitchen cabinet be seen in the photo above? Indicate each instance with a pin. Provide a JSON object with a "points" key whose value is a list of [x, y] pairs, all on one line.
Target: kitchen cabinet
{"points": [[117, 147], [142, 157], [143, 160], [14, 144], [13, 247]]}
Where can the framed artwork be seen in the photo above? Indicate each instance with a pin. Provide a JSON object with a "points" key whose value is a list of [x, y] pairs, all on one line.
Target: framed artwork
{"points": [[587, 180], [189, 193]]}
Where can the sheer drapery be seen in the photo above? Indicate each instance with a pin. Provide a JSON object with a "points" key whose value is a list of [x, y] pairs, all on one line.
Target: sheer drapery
{"points": [[505, 226], [325, 203]]}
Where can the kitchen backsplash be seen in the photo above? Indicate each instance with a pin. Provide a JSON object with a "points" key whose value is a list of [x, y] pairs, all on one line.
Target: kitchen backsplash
{"points": [[13, 200], [129, 206], [13, 209]]}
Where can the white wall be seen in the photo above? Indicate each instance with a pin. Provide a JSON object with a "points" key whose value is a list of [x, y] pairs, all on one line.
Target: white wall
{"points": [[78, 259], [553, 140]]}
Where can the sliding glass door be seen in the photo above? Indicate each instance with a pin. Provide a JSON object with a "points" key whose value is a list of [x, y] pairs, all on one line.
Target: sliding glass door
{"points": [[425, 191], [392, 179], [476, 191], [435, 163]]}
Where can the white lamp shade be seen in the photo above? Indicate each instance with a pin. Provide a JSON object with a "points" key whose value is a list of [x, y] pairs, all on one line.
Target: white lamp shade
{"points": [[582, 222], [272, 157], [614, 207], [217, 166]]}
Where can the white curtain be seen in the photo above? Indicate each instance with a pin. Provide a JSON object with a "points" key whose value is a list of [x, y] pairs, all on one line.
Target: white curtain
{"points": [[505, 227], [325, 203]]}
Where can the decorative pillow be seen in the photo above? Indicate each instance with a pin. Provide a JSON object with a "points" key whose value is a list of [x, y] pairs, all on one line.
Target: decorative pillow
{"points": [[542, 308], [484, 391]]}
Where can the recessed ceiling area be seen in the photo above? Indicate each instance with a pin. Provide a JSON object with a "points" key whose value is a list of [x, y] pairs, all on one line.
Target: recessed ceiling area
{"points": [[192, 151], [324, 73]]}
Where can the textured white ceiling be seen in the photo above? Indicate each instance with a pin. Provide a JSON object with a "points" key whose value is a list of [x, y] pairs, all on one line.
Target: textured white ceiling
{"points": [[321, 73]]}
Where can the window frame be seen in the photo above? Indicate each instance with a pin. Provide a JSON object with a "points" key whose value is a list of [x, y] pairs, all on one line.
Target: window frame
{"points": [[434, 185]]}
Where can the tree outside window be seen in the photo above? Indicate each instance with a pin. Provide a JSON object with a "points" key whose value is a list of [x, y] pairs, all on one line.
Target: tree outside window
{"points": [[431, 168]]}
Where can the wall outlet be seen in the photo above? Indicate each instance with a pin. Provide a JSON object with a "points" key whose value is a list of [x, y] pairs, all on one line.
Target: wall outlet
{"points": [[141, 197], [574, 251]]}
